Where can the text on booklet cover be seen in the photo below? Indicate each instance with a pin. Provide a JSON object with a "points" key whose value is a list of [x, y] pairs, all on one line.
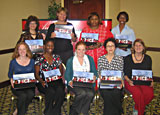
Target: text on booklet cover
{"points": [[122, 41], [63, 31]]}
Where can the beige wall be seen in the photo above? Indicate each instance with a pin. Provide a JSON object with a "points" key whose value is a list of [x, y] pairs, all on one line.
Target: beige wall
{"points": [[145, 20], [11, 14]]}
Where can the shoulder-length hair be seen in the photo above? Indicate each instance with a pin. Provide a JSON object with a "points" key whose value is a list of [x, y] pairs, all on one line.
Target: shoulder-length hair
{"points": [[139, 41], [91, 15], [16, 54], [30, 19], [64, 10]]}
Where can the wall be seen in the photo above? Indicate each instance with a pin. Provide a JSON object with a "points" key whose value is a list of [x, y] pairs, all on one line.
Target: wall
{"points": [[12, 12], [145, 20]]}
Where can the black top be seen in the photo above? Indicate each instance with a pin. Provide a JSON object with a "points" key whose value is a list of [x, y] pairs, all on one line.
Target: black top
{"points": [[60, 45], [27, 36], [129, 64]]}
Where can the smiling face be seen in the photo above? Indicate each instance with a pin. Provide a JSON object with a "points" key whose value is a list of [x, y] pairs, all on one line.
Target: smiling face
{"points": [[22, 51], [49, 46], [122, 19], [110, 47], [32, 25], [138, 47], [94, 21], [62, 16], [80, 50]]}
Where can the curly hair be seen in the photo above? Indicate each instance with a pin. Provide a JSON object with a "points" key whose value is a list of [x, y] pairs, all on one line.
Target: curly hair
{"points": [[110, 40], [29, 20], [16, 54], [91, 15]]}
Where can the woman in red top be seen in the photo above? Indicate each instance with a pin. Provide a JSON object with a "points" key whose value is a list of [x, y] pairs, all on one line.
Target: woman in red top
{"points": [[95, 26]]}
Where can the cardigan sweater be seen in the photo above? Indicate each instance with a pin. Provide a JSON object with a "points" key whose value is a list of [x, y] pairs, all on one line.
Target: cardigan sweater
{"points": [[69, 68]]}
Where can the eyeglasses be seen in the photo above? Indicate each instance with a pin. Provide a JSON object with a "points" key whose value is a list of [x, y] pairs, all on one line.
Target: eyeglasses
{"points": [[109, 46]]}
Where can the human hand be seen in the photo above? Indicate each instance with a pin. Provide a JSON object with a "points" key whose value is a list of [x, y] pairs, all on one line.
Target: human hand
{"points": [[130, 82], [152, 84], [43, 84], [12, 84], [71, 84], [53, 35]]}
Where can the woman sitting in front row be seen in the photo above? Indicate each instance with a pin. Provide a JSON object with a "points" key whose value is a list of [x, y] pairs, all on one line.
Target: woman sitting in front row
{"points": [[110, 61], [54, 91], [21, 63], [142, 94], [83, 95]]}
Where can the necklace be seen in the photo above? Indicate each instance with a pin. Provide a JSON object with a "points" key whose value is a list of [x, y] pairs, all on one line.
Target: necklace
{"points": [[138, 59]]}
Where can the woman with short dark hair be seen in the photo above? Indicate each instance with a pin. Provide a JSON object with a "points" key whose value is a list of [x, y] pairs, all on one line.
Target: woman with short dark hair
{"points": [[31, 30], [110, 61], [53, 89], [122, 32], [95, 26]]}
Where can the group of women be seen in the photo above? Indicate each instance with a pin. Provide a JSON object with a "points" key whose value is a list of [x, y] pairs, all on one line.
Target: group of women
{"points": [[94, 58]]}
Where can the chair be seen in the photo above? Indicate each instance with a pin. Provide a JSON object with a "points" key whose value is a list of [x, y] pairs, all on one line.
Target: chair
{"points": [[37, 96]]}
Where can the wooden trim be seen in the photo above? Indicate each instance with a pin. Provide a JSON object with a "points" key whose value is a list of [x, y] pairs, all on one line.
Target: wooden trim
{"points": [[6, 51], [155, 49]]}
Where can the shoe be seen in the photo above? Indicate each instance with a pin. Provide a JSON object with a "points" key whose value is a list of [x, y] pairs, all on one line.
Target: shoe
{"points": [[135, 112]]}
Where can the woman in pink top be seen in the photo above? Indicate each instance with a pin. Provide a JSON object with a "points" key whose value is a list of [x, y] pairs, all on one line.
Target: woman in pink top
{"points": [[95, 26]]}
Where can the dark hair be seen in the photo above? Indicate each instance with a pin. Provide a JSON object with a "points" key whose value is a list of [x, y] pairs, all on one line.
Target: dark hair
{"points": [[110, 40], [91, 15], [80, 43], [48, 40], [139, 41], [30, 19], [64, 10], [123, 13]]}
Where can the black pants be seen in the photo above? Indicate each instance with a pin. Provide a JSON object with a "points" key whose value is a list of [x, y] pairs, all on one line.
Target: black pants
{"points": [[83, 98], [54, 97], [112, 101], [24, 97], [65, 55]]}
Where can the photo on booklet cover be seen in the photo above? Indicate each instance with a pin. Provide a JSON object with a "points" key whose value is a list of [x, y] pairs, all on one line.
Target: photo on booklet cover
{"points": [[90, 38], [86, 77], [36, 46], [24, 80], [110, 79], [52, 75], [142, 77], [63, 31]]}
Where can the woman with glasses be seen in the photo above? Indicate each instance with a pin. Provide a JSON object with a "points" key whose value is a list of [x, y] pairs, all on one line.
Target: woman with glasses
{"points": [[110, 61]]}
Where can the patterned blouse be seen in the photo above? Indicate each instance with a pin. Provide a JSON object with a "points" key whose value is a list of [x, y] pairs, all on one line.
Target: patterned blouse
{"points": [[45, 66], [116, 63], [103, 35]]}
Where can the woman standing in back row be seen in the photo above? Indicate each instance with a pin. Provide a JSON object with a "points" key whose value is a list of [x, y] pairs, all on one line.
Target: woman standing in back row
{"points": [[95, 26], [62, 46]]}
